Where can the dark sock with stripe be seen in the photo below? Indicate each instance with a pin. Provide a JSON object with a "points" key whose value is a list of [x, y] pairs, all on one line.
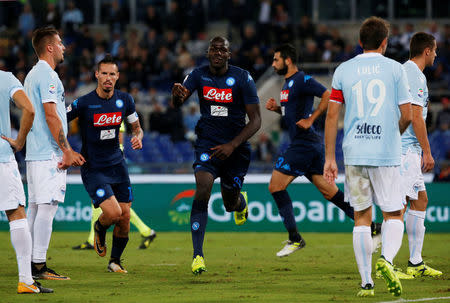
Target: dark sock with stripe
{"points": [[243, 203], [286, 210], [199, 218], [338, 200], [118, 246]]}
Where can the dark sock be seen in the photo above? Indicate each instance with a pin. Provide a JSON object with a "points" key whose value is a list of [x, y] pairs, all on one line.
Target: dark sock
{"points": [[38, 266], [118, 245], [286, 210], [199, 218], [338, 200], [243, 203], [99, 227]]}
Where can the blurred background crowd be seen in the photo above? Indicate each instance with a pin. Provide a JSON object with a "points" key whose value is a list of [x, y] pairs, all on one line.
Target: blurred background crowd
{"points": [[158, 43]]}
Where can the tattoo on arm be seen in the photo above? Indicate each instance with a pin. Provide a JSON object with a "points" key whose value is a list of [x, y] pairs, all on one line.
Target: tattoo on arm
{"points": [[62, 140], [137, 130]]}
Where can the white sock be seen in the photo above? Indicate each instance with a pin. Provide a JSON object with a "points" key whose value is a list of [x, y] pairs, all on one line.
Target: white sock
{"points": [[392, 239], [362, 245], [43, 231], [31, 215], [415, 228], [21, 241]]}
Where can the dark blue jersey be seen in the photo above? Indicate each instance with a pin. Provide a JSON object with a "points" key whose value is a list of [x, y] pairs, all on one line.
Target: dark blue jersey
{"points": [[222, 102], [297, 100], [99, 121]]}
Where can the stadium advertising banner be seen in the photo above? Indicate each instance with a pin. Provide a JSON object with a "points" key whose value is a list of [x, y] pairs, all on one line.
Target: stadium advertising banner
{"points": [[164, 203]]}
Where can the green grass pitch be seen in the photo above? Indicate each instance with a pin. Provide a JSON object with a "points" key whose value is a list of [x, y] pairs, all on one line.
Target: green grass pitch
{"points": [[242, 267]]}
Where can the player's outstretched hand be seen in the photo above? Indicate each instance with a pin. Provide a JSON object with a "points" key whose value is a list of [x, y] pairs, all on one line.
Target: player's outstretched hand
{"points": [[304, 123], [16, 146], [136, 143], [330, 171], [222, 151], [271, 105], [427, 162]]}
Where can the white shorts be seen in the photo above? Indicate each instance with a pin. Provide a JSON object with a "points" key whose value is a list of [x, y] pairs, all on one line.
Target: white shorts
{"points": [[411, 174], [367, 184], [46, 183], [11, 187]]}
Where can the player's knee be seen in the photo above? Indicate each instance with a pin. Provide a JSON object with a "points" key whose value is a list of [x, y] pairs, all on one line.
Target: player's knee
{"points": [[273, 187]]}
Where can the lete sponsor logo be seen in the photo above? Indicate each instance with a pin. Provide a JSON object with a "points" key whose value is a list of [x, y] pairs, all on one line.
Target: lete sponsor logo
{"points": [[284, 95], [223, 95], [107, 119]]}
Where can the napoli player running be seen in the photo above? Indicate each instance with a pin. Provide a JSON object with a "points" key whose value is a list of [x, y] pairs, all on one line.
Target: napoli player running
{"points": [[305, 154], [48, 152], [414, 141], [105, 174], [373, 89], [226, 93], [11, 188]]}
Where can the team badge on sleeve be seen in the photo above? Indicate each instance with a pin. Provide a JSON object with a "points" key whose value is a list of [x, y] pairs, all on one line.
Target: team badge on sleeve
{"points": [[249, 78], [52, 89], [204, 157]]}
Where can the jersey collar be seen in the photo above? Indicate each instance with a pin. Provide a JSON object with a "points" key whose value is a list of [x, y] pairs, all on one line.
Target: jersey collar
{"points": [[370, 55]]}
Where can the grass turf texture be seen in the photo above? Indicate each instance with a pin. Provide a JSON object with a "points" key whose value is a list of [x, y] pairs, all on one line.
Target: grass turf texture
{"points": [[242, 267]]}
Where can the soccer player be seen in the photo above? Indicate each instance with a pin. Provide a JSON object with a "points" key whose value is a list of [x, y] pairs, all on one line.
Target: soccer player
{"points": [[11, 188], [375, 92], [105, 174], [227, 94], [305, 154], [147, 234], [48, 152], [414, 141]]}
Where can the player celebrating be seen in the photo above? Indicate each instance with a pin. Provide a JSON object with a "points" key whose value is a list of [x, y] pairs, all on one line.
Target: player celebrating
{"points": [[414, 141], [147, 234], [373, 89], [11, 188], [105, 174], [48, 152], [305, 155], [226, 93]]}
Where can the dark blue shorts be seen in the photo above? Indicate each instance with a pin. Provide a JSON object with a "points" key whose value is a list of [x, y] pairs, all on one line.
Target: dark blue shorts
{"points": [[102, 183], [302, 158], [231, 170]]}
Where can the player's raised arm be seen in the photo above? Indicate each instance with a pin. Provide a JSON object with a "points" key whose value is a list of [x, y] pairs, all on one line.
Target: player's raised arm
{"points": [[330, 169], [70, 157], [22, 102], [179, 94], [272, 105]]}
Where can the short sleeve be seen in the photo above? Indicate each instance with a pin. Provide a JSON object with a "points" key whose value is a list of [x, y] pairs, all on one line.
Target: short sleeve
{"points": [[249, 89], [131, 107], [312, 87], [73, 110], [48, 88], [403, 91], [416, 88], [191, 80], [14, 85], [336, 88]]}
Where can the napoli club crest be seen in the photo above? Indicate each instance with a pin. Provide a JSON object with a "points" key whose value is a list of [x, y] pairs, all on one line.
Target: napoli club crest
{"points": [[100, 192], [204, 157], [230, 81], [119, 103], [291, 83]]}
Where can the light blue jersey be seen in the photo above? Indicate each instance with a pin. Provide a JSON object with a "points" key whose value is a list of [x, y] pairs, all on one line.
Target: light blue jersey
{"points": [[43, 85], [372, 88], [419, 93], [8, 86]]}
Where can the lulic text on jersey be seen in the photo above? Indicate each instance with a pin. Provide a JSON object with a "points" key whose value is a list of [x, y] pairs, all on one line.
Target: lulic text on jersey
{"points": [[222, 102], [100, 121]]}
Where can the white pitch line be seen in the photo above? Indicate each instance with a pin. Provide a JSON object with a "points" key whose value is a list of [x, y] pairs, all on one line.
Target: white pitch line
{"points": [[416, 300]]}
